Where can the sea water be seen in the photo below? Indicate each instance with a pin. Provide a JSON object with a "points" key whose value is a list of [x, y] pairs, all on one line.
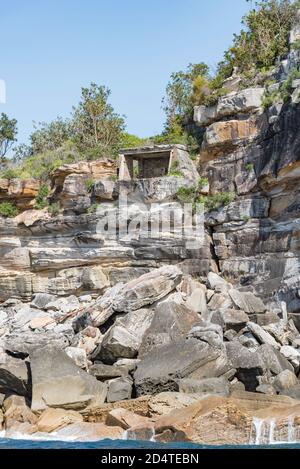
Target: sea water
{"points": [[122, 444]]}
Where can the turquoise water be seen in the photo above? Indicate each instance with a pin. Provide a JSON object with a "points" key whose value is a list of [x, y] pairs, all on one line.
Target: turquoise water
{"points": [[123, 444]]}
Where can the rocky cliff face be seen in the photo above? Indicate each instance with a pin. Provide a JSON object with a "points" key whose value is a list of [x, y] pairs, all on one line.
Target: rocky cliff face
{"points": [[97, 321]]}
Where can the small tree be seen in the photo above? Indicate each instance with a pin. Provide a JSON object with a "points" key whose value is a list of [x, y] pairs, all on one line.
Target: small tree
{"points": [[48, 137], [178, 101], [97, 127], [8, 135]]}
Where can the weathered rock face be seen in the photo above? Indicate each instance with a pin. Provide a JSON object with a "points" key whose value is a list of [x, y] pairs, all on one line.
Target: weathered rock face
{"points": [[256, 236], [58, 382], [243, 101]]}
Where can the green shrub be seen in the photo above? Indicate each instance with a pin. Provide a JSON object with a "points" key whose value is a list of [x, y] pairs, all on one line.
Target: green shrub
{"points": [[202, 182], [131, 141], [89, 184], [216, 201], [10, 173], [8, 210], [93, 208], [54, 209], [114, 177], [186, 195], [175, 171], [41, 198], [249, 167]]}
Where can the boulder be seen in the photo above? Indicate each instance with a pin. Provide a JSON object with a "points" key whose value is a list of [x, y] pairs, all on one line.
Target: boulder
{"points": [[233, 319], [219, 301], [280, 331], [161, 368], [119, 389], [106, 372], [86, 431], [197, 301], [125, 419], [249, 365], [247, 301], [58, 382], [266, 389], [262, 336], [14, 375], [124, 338], [63, 305], [293, 392], [165, 402], [214, 280], [97, 314], [273, 360], [16, 411], [26, 342], [78, 355], [147, 289], [285, 380], [40, 300], [54, 419], [219, 386], [170, 322], [236, 102], [212, 421], [42, 322], [292, 355], [208, 333]]}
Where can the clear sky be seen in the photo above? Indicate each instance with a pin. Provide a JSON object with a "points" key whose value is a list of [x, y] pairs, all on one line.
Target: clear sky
{"points": [[51, 48]]}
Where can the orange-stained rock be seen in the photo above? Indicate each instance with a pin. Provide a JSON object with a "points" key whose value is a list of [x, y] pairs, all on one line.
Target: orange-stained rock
{"points": [[86, 431], [29, 217], [213, 421], [21, 192], [223, 137], [54, 419], [101, 169], [17, 411], [126, 419]]}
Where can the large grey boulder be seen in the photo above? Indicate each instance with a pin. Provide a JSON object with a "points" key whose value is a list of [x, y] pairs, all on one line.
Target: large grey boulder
{"points": [[14, 375], [147, 289], [273, 360], [247, 301], [262, 336], [249, 365], [124, 338], [237, 102], [105, 372], [170, 322], [26, 342], [208, 333], [197, 301], [119, 389], [231, 319], [219, 386], [285, 380], [58, 382], [41, 300], [161, 369]]}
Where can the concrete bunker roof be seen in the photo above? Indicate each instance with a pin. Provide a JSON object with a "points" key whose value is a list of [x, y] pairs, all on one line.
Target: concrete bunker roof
{"points": [[151, 151]]}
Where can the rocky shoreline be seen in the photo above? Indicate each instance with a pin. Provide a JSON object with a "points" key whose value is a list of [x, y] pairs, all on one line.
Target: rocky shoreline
{"points": [[182, 361]]}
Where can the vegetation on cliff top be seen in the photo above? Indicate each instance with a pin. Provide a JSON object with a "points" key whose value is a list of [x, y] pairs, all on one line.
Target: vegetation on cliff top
{"points": [[254, 52], [95, 130]]}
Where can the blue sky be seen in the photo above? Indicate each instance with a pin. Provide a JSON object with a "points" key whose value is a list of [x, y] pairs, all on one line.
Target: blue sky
{"points": [[51, 48]]}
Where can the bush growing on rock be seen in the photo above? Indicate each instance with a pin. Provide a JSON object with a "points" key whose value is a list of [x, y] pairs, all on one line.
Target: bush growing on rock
{"points": [[8, 210], [41, 199]]}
